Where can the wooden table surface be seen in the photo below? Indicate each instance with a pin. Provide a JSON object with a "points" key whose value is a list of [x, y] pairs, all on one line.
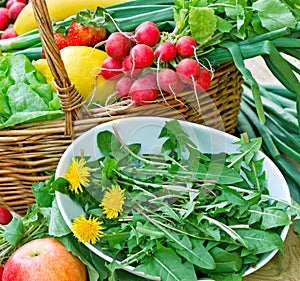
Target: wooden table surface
{"points": [[290, 261]]}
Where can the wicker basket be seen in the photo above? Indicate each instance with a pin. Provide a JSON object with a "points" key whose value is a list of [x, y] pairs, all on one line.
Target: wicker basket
{"points": [[28, 152]]}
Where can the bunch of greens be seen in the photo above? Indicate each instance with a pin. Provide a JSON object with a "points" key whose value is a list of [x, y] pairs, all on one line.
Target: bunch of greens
{"points": [[211, 22], [24, 93], [180, 214], [238, 30]]}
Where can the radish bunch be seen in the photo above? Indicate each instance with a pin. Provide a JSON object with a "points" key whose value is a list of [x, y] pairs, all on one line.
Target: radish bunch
{"points": [[145, 64], [8, 16]]}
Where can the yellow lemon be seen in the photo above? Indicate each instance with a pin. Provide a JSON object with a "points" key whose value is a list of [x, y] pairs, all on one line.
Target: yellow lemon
{"points": [[82, 65], [42, 66]]}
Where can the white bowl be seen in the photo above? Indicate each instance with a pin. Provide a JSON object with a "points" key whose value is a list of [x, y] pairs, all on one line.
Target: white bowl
{"points": [[145, 130]]}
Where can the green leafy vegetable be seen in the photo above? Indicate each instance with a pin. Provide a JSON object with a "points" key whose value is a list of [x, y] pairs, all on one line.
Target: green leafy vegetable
{"points": [[274, 14], [185, 216], [24, 93]]}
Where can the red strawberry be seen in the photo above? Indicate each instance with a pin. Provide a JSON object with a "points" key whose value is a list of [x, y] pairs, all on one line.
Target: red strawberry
{"points": [[99, 34], [80, 35], [60, 40], [87, 29]]}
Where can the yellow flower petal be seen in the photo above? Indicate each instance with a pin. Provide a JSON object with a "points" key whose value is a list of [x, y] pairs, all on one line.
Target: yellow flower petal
{"points": [[87, 230], [78, 175], [113, 201]]}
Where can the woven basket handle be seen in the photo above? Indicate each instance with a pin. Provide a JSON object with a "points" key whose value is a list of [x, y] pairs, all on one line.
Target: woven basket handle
{"points": [[71, 100]]}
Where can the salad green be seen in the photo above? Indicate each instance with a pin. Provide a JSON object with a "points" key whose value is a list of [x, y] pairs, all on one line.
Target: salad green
{"points": [[184, 217], [24, 93]]}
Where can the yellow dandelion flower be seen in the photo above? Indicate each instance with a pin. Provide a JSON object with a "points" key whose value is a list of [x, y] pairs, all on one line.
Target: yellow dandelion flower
{"points": [[113, 201], [87, 230], [78, 175]]}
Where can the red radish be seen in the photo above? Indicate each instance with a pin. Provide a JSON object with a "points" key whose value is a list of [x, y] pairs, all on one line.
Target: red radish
{"points": [[142, 56], [117, 46], [167, 80], [9, 33], [130, 36], [166, 51], [179, 87], [203, 82], [123, 86], [143, 91], [188, 70], [10, 2], [129, 68], [14, 10], [151, 75], [111, 68], [186, 46], [5, 216], [4, 18], [147, 33]]}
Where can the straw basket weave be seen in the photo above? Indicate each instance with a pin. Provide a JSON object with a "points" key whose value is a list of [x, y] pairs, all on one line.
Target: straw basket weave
{"points": [[29, 152]]}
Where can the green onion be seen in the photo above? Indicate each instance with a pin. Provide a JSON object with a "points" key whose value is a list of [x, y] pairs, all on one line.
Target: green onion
{"points": [[19, 42], [280, 132], [263, 131], [237, 57]]}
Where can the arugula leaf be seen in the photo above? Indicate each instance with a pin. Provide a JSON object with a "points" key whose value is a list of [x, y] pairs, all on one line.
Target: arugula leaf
{"points": [[261, 241], [222, 174], [246, 153], [177, 139], [200, 257], [272, 217], [228, 277], [232, 196], [107, 143], [225, 261], [166, 264]]}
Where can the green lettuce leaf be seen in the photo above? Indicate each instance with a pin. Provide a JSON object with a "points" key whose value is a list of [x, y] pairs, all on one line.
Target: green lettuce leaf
{"points": [[25, 95]]}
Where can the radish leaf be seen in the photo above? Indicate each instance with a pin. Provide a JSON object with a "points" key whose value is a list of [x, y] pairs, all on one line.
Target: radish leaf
{"points": [[203, 24], [274, 14]]}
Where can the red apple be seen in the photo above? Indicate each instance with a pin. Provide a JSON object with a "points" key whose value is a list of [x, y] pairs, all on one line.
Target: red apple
{"points": [[5, 216], [44, 259], [1, 271]]}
